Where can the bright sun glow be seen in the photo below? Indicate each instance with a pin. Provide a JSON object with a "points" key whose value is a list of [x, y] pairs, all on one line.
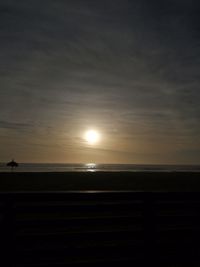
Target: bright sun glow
{"points": [[92, 137]]}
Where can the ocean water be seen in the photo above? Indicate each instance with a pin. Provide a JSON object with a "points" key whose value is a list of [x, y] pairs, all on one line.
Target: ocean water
{"points": [[92, 167]]}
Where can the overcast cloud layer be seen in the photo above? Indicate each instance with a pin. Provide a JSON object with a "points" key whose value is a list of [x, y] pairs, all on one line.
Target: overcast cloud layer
{"points": [[128, 68]]}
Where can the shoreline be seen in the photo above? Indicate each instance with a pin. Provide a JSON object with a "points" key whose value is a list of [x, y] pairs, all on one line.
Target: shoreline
{"points": [[104, 180]]}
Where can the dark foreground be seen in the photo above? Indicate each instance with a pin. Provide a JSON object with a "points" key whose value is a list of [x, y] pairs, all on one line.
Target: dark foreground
{"points": [[138, 181], [150, 223]]}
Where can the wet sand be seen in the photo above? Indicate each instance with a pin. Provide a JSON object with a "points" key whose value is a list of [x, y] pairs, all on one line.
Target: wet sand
{"points": [[136, 181]]}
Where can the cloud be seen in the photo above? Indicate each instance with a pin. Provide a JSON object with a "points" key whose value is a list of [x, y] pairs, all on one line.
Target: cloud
{"points": [[14, 126], [127, 65]]}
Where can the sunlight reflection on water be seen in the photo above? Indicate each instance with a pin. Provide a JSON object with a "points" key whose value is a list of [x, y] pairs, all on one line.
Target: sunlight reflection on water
{"points": [[91, 167]]}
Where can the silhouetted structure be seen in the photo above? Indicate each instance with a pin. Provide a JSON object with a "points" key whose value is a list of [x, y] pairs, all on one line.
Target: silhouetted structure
{"points": [[12, 164]]}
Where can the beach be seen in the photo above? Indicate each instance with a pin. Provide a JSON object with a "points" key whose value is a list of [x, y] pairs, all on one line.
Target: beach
{"points": [[73, 218], [134, 181]]}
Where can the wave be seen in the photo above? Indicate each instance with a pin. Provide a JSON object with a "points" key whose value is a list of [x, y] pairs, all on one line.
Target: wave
{"points": [[92, 167]]}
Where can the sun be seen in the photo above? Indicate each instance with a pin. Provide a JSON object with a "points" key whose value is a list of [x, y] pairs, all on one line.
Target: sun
{"points": [[92, 136]]}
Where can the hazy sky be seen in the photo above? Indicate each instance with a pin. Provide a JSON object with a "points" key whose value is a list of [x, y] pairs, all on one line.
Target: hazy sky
{"points": [[130, 69]]}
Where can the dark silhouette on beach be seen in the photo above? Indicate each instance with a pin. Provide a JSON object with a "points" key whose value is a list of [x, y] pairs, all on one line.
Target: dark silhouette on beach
{"points": [[12, 164]]}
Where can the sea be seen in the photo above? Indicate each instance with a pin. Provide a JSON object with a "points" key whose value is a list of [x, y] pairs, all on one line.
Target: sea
{"points": [[93, 167]]}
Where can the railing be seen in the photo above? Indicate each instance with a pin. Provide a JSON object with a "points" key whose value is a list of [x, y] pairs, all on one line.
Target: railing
{"points": [[100, 228]]}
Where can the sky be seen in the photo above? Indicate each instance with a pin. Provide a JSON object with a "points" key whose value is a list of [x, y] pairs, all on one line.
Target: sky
{"points": [[128, 69]]}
